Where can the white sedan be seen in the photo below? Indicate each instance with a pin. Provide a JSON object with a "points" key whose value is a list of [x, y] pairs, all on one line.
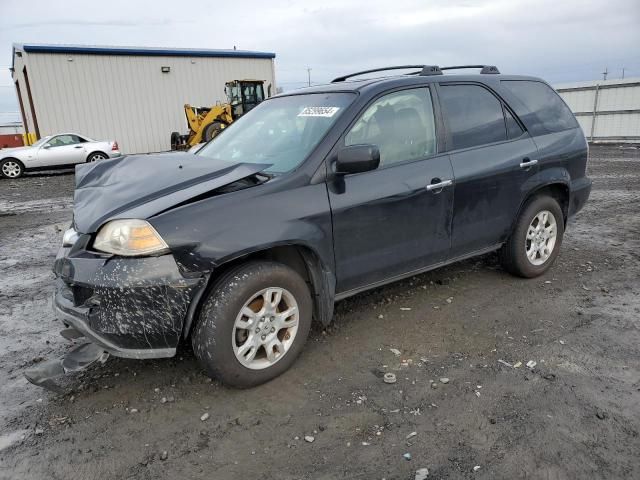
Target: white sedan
{"points": [[55, 151]]}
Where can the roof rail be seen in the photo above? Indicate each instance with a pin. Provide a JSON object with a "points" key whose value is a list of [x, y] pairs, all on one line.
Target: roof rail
{"points": [[424, 70], [484, 69]]}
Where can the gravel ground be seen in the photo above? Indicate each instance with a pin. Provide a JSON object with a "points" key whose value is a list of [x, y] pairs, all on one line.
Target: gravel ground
{"points": [[576, 414]]}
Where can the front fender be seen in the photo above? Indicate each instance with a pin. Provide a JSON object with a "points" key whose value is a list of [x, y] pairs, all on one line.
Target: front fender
{"points": [[214, 231]]}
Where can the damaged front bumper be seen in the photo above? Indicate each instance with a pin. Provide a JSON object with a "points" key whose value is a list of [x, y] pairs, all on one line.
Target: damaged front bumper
{"points": [[131, 307], [78, 358], [77, 318], [134, 307]]}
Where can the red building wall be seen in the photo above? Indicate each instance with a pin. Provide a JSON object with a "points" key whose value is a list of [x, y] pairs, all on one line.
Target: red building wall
{"points": [[11, 140]]}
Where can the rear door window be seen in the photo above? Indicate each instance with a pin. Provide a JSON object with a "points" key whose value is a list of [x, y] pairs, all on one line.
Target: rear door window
{"points": [[540, 108], [474, 115]]}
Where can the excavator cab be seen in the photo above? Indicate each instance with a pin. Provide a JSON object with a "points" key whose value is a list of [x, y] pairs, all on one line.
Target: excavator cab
{"points": [[243, 95]]}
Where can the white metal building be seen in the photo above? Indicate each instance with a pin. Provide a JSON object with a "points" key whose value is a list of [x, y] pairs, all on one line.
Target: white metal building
{"points": [[132, 95], [607, 110]]}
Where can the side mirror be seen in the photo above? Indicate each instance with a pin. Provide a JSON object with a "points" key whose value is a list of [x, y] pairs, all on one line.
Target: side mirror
{"points": [[357, 159], [46, 146]]}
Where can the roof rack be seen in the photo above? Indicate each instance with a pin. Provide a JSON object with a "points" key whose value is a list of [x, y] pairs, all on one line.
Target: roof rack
{"points": [[484, 69], [424, 70]]}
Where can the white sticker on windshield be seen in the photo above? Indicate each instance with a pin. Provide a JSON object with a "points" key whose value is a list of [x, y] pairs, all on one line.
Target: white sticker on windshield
{"points": [[318, 111]]}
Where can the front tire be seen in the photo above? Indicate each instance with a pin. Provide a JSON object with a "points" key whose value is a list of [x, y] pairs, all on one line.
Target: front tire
{"points": [[11, 168], [212, 130], [536, 238], [253, 324]]}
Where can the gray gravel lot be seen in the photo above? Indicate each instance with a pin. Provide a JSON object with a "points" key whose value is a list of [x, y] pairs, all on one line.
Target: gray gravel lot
{"points": [[576, 414]]}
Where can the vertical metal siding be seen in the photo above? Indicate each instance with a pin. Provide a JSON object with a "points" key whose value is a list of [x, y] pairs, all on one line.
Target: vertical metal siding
{"points": [[617, 114], [618, 126], [579, 101], [619, 98], [128, 98], [585, 124]]}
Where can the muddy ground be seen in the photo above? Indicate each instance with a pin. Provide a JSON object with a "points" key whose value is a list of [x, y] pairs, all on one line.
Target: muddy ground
{"points": [[576, 414]]}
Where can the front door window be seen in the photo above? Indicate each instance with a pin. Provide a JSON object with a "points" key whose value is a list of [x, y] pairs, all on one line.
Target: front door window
{"points": [[63, 140], [401, 124]]}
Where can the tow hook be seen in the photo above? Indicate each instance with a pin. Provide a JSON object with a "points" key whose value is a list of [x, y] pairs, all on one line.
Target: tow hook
{"points": [[76, 359]]}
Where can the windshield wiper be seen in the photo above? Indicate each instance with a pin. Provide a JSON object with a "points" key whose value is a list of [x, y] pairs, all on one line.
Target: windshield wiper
{"points": [[267, 176]]}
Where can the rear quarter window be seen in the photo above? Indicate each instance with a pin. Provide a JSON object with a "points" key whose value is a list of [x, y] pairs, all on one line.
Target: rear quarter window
{"points": [[539, 107]]}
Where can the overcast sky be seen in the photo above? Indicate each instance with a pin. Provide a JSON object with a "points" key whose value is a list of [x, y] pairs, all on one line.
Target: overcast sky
{"points": [[559, 40]]}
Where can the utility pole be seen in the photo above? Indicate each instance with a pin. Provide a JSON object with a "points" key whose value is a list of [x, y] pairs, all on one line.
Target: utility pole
{"points": [[604, 74], [623, 72], [309, 75]]}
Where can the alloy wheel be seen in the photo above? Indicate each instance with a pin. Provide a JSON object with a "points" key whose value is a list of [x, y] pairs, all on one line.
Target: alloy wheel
{"points": [[265, 328], [97, 156], [11, 169], [541, 237]]}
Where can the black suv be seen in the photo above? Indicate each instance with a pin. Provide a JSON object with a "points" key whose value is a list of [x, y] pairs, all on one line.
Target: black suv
{"points": [[314, 196]]}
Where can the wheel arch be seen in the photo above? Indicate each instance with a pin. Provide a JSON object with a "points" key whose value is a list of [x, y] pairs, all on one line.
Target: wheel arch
{"points": [[12, 158], [15, 160], [94, 152], [300, 258], [557, 189]]}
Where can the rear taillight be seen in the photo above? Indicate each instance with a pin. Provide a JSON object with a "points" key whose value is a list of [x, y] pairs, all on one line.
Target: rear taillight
{"points": [[115, 146]]}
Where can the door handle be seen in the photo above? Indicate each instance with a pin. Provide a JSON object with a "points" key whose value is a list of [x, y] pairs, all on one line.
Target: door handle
{"points": [[78, 146], [526, 163], [439, 185]]}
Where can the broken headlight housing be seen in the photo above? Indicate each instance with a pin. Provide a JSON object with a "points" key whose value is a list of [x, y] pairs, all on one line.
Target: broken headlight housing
{"points": [[129, 238], [69, 238]]}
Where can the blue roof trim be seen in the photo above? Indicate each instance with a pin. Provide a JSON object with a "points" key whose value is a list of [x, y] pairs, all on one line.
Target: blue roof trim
{"points": [[141, 51]]}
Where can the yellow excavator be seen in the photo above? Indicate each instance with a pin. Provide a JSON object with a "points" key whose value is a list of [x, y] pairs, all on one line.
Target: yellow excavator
{"points": [[206, 122]]}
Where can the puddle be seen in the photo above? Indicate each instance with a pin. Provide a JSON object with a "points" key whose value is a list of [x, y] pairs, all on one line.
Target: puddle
{"points": [[9, 439]]}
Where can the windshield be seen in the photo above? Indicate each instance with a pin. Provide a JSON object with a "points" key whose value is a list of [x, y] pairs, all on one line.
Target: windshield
{"points": [[281, 132], [41, 141]]}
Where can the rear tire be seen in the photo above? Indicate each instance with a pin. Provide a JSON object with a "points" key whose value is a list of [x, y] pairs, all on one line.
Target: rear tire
{"points": [[97, 156], [535, 242], [11, 168], [243, 318], [211, 130]]}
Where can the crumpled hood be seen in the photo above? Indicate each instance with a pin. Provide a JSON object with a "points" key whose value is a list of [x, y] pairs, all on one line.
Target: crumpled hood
{"points": [[140, 186]]}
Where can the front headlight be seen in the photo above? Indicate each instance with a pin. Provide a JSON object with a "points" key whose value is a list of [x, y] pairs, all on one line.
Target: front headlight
{"points": [[129, 238]]}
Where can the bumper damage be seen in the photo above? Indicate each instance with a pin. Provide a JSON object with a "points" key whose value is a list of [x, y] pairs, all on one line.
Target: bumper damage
{"points": [[134, 307], [78, 358], [125, 307]]}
